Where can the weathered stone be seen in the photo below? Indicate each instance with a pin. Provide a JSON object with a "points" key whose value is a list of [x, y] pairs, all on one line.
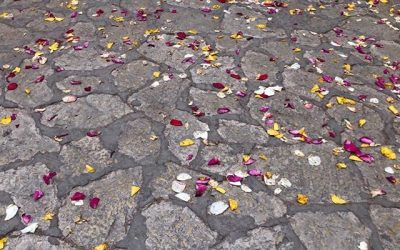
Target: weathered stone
{"points": [[386, 219], [223, 152], [237, 132], [180, 227], [22, 183], [175, 134], [157, 102], [134, 75], [86, 59], [88, 112], [245, 20], [135, 140], [280, 50], [15, 36], [260, 238], [108, 222], [317, 182], [21, 139], [334, 231], [209, 102], [31, 241], [255, 63], [79, 89], [390, 49], [300, 82], [174, 56], [306, 38], [78, 154]]}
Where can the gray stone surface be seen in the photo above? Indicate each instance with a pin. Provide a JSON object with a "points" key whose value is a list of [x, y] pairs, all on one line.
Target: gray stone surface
{"points": [[175, 223], [150, 75], [328, 228]]}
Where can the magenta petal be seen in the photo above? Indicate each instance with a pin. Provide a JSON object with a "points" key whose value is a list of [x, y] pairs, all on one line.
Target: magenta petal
{"points": [[366, 140], [351, 147], [203, 180], [37, 195], [39, 79], [249, 161], [223, 110], [327, 78], [47, 177], [316, 141], [92, 133], [94, 202], [367, 158], [214, 161], [200, 189], [254, 172], [26, 218], [240, 93], [264, 109], [77, 196], [233, 178]]}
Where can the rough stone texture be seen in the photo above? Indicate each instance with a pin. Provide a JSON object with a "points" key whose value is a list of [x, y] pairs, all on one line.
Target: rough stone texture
{"points": [[260, 238], [87, 112], [106, 223], [181, 228], [194, 44], [386, 221], [21, 139], [143, 70], [22, 183], [328, 228], [237, 132], [135, 140]]}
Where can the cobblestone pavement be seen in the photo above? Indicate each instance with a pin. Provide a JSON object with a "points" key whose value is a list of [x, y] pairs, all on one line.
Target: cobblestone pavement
{"points": [[199, 124]]}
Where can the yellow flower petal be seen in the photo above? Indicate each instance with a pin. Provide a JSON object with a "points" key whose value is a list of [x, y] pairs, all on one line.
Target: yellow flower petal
{"points": [[27, 91], [54, 47], [263, 157], [220, 189], [246, 157], [388, 153], [338, 200], [341, 165], [102, 246], [302, 199], [3, 242], [272, 132], [109, 45], [362, 122], [90, 169], [261, 26], [186, 142], [233, 204], [48, 216], [5, 120], [355, 158], [151, 31], [393, 109], [156, 74], [345, 101], [134, 190]]}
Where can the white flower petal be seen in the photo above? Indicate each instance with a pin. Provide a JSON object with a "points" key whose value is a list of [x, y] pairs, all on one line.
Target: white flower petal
{"points": [[218, 208], [11, 211]]}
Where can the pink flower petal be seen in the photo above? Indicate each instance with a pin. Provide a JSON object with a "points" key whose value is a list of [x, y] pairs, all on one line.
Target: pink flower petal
{"points": [[93, 133], [47, 177], [26, 218], [37, 195], [367, 158], [223, 110], [203, 180], [214, 161], [77, 196], [200, 189], [366, 140], [254, 172], [94, 202], [233, 178], [352, 148], [249, 162]]}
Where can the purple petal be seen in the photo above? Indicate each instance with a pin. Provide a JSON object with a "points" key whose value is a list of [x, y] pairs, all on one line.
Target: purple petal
{"points": [[214, 161], [37, 195], [366, 140], [200, 189], [233, 178], [254, 172], [26, 218], [367, 158], [223, 110]]}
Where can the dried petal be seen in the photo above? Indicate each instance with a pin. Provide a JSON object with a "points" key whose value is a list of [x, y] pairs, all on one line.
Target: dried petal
{"points": [[37, 194], [94, 202], [200, 189], [134, 190], [93, 133], [351, 147], [302, 199], [186, 142], [254, 172], [183, 196], [218, 207], [214, 161], [175, 122], [223, 110], [77, 196], [233, 204], [26, 218], [69, 98], [11, 211], [90, 169], [178, 187], [47, 177], [31, 228], [183, 177], [388, 153], [12, 86], [102, 246], [338, 200]]}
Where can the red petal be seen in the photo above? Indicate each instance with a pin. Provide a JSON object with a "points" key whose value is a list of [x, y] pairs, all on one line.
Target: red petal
{"points": [[75, 82], [200, 189], [262, 77], [214, 161], [88, 89], [47, 177], [223, 110], [175, 122], [38, 194], [94, 202], [181, 35], [351, 147], [77, 196], [12, 86], [236, 76], [218, 85], [233, 178], [93, 133], [39, 79]]}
